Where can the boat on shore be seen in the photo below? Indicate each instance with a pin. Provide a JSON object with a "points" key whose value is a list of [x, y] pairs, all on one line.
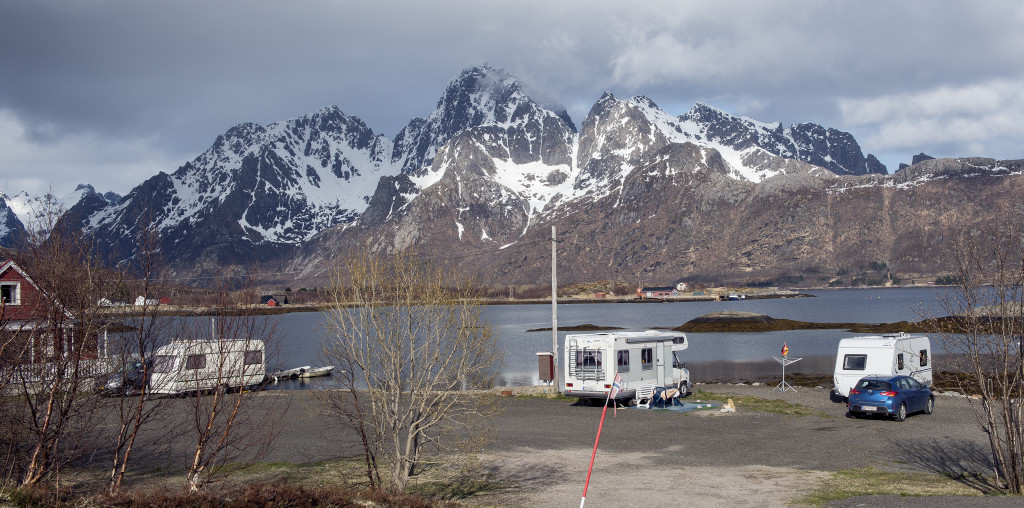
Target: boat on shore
{"points": [[289, 373], [317, 372]]}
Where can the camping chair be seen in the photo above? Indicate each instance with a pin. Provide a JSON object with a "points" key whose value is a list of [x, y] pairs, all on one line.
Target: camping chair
{"points": [[644, 394]]}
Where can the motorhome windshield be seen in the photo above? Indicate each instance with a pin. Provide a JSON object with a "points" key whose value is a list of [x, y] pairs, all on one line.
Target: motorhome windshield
{"points": [[163, 364], [677, 362]]}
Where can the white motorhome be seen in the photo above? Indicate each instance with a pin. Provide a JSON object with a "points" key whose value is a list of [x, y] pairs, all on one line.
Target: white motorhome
{"points": [[191, 366], [893, 354], [640, 358]]}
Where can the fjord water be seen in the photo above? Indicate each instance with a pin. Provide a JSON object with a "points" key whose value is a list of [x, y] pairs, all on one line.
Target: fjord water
{"points": [[710, 356]]}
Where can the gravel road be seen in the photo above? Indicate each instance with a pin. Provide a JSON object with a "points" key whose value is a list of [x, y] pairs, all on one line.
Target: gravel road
{"points": [[664, 458]]}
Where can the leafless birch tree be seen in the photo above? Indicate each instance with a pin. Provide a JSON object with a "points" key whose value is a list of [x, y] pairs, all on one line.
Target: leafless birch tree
{"points": [[411, 340], [232, 428], [142, 331], [982, 340], [54, 409]]}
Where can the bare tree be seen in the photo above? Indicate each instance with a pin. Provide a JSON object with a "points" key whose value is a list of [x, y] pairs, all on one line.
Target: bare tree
{"points": [[58, 334], [232, 427], [982, 339], [410, 336], [143, 330]]}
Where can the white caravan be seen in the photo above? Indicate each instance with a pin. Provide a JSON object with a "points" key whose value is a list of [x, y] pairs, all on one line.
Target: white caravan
{"points": [[640, 358], [887, 355], [191, 366]]}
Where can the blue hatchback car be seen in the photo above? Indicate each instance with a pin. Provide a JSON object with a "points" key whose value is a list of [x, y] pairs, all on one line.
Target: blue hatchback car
{"points": [[896, 396]]}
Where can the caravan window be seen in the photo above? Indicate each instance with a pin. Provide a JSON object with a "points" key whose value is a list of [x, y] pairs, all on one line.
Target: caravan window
{"points": [[163, 364], [195, 362], [647, 358], [588, 359], [254, 357], [899, 362], [855, 362], [924, 357], [623, 362]]}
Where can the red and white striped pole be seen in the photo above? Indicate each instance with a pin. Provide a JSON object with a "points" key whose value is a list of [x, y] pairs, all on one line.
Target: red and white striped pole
{"points": [[616, 386], [594, 454]]}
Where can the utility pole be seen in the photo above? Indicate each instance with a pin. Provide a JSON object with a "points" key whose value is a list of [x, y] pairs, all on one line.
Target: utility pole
{"points": [[554, 307]]}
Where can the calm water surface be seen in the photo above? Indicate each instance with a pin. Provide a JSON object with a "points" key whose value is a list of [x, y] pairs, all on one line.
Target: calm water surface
{"points": [[711, 356]]}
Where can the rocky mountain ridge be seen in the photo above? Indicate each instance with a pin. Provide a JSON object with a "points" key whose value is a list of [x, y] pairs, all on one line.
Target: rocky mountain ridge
{"points": [[640, 192]]}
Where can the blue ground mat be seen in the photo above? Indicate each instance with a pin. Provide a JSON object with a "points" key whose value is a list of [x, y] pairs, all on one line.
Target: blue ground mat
{"points": [[685, 406]]}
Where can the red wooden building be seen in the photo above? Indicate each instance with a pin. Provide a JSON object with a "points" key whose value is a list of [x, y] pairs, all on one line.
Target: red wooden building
{"points": [[43, 329]]}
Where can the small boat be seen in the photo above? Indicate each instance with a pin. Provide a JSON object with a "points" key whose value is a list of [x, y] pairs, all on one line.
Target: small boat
{"points": [[289, 373], [317, 372]]}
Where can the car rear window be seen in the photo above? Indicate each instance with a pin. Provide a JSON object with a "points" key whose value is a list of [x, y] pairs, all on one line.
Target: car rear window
{"points": [[874, 384]]}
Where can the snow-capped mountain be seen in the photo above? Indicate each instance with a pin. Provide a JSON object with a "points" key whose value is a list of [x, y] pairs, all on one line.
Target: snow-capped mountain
{"points": [[12, 230], [481, 96], [22, 210], [271, 187], [490, 169]]}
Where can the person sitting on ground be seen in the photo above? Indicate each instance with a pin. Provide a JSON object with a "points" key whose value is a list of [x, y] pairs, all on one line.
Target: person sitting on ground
{"points": [[663, 397]]}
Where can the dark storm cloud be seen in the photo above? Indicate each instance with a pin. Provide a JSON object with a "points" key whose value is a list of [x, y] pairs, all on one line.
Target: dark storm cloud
{"points": [[111, 91]]}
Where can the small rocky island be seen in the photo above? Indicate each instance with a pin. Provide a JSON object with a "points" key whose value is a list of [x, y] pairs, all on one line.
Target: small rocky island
{"points": [[738, 321]]}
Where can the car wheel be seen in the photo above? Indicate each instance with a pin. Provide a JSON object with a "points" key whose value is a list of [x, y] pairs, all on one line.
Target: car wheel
{"points": [[901, 413], [929, 406], [851, 414]]}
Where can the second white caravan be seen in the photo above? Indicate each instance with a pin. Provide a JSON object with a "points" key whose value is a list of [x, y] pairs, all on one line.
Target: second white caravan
{"points": [[191, 366], [892, 354]]}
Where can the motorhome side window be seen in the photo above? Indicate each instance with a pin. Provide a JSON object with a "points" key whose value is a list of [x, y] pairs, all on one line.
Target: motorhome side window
{"points": [[855, 362], [924, 357], [254, 357], [899, 362], [195, 362], [623, 362], [647, 358], [588, 359]]}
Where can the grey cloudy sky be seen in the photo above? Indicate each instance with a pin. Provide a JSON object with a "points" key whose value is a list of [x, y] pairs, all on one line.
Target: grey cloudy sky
{"points": [[110, 92]]}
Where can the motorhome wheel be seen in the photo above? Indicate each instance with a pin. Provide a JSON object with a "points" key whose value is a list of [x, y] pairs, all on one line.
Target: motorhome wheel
{"points": [[684, 389]]}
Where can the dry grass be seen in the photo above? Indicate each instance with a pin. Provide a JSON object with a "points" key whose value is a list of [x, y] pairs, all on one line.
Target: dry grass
{"points": [[873, 482], [748, 403]]}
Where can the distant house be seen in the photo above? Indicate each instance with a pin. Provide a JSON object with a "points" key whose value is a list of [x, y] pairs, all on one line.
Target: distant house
{"points": [[143, 300], [269, 301], [657, 292]]}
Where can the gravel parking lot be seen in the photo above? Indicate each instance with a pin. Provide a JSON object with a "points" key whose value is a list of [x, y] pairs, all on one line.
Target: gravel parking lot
{"points": [[664, 458], [709, 458]]}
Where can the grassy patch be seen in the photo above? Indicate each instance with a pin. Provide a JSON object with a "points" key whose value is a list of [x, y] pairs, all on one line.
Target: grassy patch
{"points": [[747, 403], [873, 482]]}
